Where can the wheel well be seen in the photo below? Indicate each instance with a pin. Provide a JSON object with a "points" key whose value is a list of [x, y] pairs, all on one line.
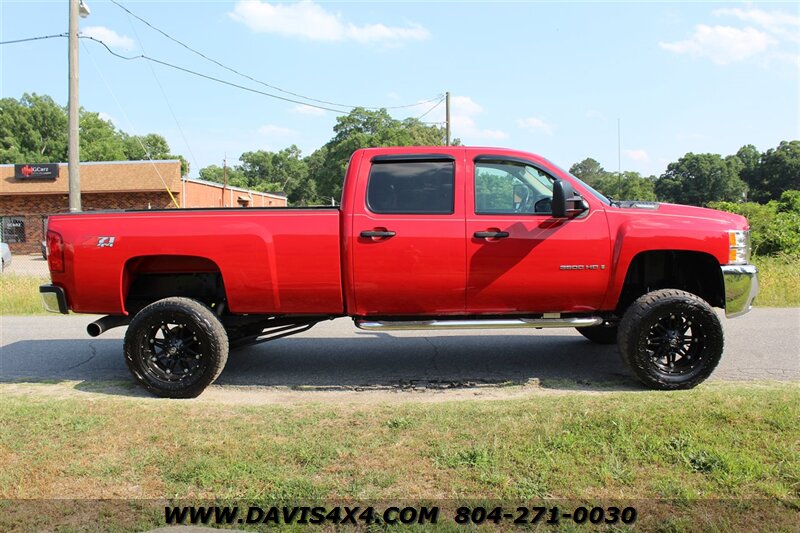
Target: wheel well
{"points": [[695, 272], [152, 278]]}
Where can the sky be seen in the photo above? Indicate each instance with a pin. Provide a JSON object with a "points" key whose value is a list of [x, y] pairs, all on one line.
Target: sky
{"points": [[634, 85]]}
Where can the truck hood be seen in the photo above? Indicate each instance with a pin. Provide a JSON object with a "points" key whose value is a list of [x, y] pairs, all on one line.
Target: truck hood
{"points": [[735, 221]]}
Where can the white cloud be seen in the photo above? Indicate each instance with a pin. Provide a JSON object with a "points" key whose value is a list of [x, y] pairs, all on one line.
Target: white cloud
{"points": [[308, 110], [465, 105], [308, 20], [108, 118], [723, 44], [108, 36], [637, 155], [763, 37], [535, 124], [463, 109], [780, 24], [494, 135], [271, 130], [594, 114]]}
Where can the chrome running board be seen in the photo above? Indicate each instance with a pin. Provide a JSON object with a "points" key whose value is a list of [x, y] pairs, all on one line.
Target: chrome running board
{"points": [[498, 323]]}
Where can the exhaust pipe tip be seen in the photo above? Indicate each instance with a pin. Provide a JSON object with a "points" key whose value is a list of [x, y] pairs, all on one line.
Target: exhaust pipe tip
{"points": [[107, 322], [94, 329]]}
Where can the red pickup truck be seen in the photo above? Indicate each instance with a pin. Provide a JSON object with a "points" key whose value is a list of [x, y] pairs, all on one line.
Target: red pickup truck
{"points": [[425, 238]]}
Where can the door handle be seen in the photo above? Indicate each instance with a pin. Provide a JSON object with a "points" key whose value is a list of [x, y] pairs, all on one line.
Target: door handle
{"points": [[491, 234], [378, 233]]}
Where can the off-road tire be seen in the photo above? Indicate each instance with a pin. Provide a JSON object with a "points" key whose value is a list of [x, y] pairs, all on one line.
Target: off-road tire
{"points": [[670, 339], [176, 347], [600, 334]]}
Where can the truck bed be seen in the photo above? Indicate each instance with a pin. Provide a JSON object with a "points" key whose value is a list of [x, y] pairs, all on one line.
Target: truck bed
{"points": [[272, 261]]}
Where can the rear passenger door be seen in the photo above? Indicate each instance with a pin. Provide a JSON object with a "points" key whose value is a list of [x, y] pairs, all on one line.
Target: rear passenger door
{"points": [[408, 237]]}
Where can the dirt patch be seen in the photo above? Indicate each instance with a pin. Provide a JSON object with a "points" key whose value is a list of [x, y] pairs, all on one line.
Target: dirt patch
{"points": [[402, 392]]}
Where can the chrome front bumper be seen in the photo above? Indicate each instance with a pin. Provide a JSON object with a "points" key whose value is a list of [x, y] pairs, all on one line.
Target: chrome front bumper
{"points": [[741, 286]]}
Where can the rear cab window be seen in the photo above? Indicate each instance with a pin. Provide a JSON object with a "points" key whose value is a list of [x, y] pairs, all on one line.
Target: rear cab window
{"points": [[412, 185]]}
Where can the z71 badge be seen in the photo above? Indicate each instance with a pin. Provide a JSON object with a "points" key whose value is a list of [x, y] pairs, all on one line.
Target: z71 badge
{"points": [[105, 242]]}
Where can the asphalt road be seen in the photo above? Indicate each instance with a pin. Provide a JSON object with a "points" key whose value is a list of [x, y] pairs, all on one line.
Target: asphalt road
{"points": [[762, 345]]}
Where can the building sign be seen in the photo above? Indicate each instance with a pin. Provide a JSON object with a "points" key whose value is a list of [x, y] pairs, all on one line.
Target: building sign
{"points": [[37, 171]]}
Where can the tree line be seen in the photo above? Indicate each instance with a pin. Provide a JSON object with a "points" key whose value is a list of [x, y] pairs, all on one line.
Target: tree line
{"points": [[34, 129], [698, 179], [318, 177]]}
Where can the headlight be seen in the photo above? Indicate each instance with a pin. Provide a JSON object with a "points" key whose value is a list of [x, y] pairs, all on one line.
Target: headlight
{"points": [[739, 243]]}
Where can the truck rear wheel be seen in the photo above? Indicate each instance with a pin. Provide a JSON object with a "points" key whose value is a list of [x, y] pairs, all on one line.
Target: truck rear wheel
{"points": [[670, 339], [176, 347]]}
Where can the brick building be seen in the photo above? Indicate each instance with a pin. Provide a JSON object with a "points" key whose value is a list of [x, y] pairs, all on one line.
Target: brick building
{"points": [[27, 199], [200, 193]]}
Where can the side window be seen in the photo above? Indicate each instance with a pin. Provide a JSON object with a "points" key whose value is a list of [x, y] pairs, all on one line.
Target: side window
{"points": [[508, 188], [411, 187]]}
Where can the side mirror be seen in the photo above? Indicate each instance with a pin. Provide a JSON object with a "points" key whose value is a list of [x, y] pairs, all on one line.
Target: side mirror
{"points": [[565, 201]]}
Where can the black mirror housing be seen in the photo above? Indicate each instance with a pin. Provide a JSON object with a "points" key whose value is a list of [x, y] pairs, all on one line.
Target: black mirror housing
{"points": [[565, 201]]}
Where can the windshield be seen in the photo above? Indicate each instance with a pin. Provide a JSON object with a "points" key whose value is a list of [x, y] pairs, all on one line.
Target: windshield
{"points": [[600, 196]]}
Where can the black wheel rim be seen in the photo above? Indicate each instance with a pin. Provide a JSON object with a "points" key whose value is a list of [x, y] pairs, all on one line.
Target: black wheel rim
{"points": [[675, 344], [173, 351]]}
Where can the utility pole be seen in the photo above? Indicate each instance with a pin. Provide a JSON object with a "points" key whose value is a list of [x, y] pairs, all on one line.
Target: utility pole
{"points": [[224, 178], [447, 115], [619, 160], [73, 160], [76, 9]]}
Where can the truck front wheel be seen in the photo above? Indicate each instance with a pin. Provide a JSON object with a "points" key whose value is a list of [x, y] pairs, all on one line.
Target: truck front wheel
{"points": [[670, 339], [176, 347]]}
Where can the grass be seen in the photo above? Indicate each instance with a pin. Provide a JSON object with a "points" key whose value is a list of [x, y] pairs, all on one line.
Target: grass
{"points": [[719, 445], [19, 294], [779, 279]]}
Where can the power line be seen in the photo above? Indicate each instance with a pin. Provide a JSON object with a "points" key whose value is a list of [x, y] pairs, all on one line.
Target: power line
{"points": [[225, 82], [186, 46], [437, 104], [177, 67], [34, 38], [130, 124], [164, 94], [206, 76]]}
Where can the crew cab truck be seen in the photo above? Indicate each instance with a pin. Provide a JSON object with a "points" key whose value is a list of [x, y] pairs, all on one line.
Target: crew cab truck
{"points": [[425, 238]]}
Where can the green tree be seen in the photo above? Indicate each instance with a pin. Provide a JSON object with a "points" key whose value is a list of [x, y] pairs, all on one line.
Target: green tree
{"points": [[290, 174], [315, 164], [284, 171], [751, 168], [774, 226], [589, 170], [631, 186], [99, 139], [150, 146], [32, 130], [697, 179], [779, 172], [217, 174], [363, 128], [143, 147]]}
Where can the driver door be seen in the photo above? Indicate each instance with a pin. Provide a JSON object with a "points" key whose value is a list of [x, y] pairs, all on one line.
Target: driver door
{"points": [[519, 258]]}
